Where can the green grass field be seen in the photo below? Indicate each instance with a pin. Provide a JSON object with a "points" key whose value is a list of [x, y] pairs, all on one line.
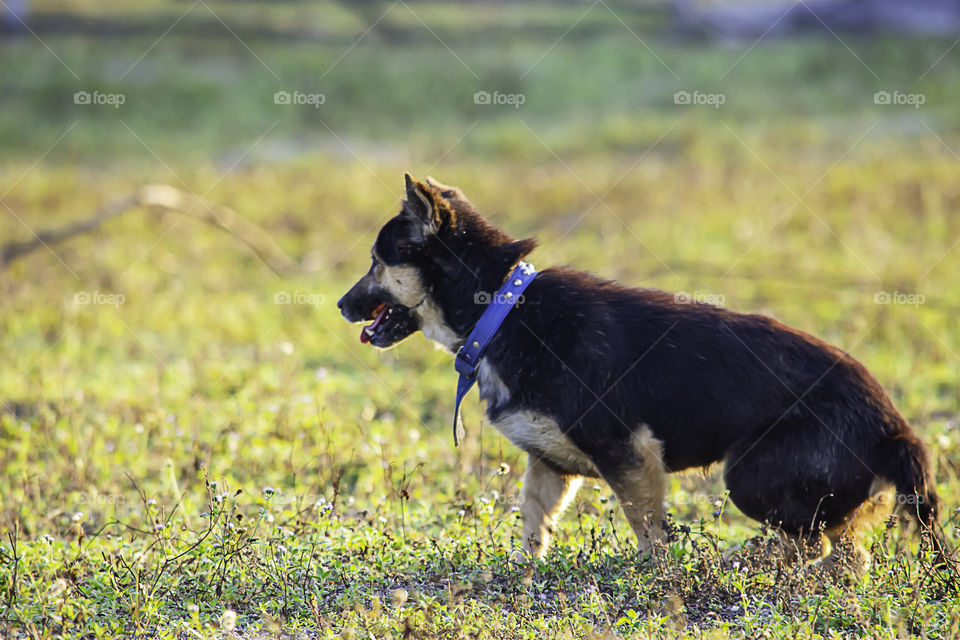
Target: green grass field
{"points": [[185, 457]]}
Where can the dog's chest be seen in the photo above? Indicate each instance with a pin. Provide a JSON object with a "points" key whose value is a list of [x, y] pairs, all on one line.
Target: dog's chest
{"points": [[534, 432]]}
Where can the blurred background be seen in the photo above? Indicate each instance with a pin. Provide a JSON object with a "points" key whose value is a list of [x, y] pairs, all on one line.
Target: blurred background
{"points": [[796, 159]]}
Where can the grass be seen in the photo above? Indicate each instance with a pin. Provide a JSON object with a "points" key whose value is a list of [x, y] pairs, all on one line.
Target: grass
{"points": [[194, 449]]}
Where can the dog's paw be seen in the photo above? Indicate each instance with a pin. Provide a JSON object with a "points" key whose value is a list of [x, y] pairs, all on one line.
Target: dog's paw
{"points": [[650, 543]]}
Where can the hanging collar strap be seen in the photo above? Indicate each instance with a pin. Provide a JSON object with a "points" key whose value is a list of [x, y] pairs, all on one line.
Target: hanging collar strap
{"points": [[470, 354]]}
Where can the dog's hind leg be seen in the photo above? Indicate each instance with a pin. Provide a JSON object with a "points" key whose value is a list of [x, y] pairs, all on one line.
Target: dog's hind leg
{"points": [[640, 487], [803, 479], [848, 540], [545, 495]]}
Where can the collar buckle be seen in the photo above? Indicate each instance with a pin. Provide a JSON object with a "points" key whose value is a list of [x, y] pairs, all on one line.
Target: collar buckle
{"points": [[464, 366]]}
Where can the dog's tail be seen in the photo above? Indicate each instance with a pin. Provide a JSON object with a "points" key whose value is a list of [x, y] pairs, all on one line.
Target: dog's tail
{"points": [[909, 471]]}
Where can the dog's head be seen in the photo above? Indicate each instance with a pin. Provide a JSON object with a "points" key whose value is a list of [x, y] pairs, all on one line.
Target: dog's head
{"points": [[426, 265]]}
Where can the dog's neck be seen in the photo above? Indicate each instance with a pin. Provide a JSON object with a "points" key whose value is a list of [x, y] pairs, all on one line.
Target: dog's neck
{"points": [[462, 308], [474, 260]]}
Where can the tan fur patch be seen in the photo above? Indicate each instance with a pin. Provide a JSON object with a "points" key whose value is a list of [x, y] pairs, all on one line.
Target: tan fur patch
{"points": [[641, 490], [851, 535], [535, 432], [403, 283], [433, 326], [440, 208], [868, 515], [546, 495]]}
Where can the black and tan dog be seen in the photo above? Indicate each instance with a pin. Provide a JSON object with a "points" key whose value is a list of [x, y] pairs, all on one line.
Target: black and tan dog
{"points": [[595, 379]]}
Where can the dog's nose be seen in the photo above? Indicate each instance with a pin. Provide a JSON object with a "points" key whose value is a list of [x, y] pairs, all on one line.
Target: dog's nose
{"points": [[340, 303]]}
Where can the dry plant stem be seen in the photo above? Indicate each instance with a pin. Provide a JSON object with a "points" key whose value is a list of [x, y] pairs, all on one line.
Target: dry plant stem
{"points": [[161, 199]]}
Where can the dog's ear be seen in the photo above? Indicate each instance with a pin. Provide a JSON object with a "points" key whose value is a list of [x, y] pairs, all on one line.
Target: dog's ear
{"points": [[419, 203], [422, 206]]}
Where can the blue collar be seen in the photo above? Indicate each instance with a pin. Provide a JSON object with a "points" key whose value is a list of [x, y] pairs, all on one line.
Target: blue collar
{"points": [[470, 354]]}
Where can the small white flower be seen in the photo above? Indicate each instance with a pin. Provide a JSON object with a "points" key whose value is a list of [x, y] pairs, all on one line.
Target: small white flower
{"points": [[399, 597], [228, 620], [59, 586]]}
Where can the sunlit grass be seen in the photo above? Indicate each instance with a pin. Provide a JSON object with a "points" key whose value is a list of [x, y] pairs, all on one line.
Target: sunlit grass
{"points": [[189, 446]]}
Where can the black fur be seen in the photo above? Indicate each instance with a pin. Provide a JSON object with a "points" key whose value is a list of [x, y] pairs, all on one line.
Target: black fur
{"points": [[803, 428]]}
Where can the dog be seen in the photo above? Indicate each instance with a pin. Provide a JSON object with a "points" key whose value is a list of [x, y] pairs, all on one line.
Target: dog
{"points": [[598, 380]]}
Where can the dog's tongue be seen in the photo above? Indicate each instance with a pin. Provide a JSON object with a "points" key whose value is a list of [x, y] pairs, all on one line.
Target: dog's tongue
{"points": [[369, 329]]}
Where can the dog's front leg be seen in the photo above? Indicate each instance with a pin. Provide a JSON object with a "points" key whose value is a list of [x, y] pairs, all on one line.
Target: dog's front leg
{"points": [[545, 495]]}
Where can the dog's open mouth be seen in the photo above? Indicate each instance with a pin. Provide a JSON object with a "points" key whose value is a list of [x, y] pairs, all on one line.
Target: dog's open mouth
{"points": [[380, 316]]}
